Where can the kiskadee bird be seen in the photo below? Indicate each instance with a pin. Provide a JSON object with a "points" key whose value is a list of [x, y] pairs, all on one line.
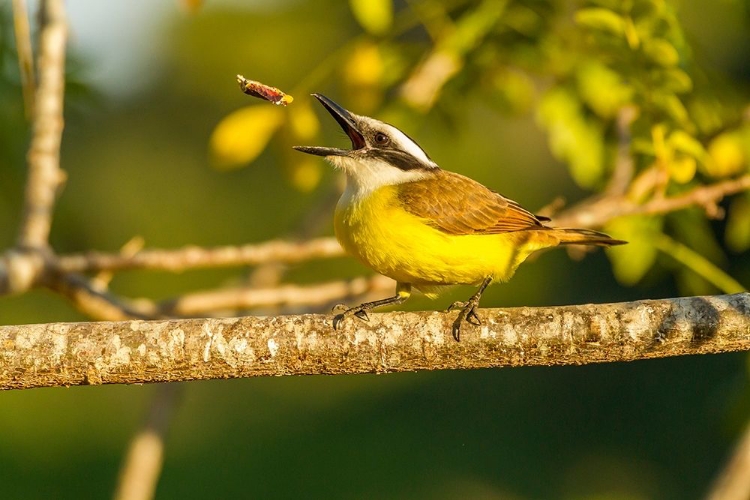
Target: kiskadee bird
{"points": [[425, 227]]}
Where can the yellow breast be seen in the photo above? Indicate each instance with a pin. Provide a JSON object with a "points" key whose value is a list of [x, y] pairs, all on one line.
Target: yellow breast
{"points": [[377, 230]]}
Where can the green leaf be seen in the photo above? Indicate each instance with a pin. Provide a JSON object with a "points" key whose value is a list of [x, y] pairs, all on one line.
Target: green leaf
{"points": [[602, 89], [676, 80], [375, 16], [572, 137], [632, 261], [601, 19], [681, 141], [661, 52]]}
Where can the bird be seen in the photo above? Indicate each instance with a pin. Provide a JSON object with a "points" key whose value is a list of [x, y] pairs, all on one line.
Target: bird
{"points": [[427, 228]]}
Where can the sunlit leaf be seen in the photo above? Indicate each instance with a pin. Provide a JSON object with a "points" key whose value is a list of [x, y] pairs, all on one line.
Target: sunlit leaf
{"points": [[601, 19], [305, 172], [681, 141], [364, 66], [242, 135], [572, 137], [677, 80], [661, 52], [682, 169], [363, 75], [727, 155], [375, 16], [303, 122], [602, 89], [632, 261]]}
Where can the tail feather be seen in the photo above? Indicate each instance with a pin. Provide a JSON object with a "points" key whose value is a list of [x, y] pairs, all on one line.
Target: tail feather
{"points": [[569, 236]]}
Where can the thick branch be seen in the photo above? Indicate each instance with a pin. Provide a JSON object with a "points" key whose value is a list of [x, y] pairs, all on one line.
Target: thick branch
{"points": [[45, 175], [63, 354]]}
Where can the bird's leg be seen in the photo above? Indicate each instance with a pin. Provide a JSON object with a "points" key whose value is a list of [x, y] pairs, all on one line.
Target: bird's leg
{"points": [[468, 311], [403, 291]]}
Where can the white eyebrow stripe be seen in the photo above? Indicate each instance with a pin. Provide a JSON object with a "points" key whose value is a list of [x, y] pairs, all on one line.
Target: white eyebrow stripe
{"points": [[404, 143]]}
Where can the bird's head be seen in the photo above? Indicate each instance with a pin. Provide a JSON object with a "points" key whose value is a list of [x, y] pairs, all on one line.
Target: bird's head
{"points": [[381, 154]]}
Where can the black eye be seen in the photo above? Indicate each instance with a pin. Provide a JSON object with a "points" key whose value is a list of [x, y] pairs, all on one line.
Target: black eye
{"points": [[381, 139]]}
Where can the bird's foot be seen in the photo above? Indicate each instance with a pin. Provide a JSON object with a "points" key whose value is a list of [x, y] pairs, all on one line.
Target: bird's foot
{"points": [[359, 311], [467, 313]]}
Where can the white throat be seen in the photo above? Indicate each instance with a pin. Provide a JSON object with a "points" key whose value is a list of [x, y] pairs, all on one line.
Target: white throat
{"points": [[365, 176]]}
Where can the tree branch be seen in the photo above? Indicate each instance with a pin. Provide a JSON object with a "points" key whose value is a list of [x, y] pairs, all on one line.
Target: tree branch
{"points": [[238, 299], [193, 257], [598, 211], [733, 482], [64, 354], [45, 175]]}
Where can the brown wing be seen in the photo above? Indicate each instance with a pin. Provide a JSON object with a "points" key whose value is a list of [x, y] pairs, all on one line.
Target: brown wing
{"points": [[458, 205]]}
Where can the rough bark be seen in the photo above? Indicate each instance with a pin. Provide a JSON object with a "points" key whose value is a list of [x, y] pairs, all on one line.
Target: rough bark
{"points": [[63, 354]]}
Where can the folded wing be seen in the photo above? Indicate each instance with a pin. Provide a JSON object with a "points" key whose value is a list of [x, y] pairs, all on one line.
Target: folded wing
{"points": [[458, 205]]}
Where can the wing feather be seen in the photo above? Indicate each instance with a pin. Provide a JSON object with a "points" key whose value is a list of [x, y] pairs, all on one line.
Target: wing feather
{"points": [[458, 205]]}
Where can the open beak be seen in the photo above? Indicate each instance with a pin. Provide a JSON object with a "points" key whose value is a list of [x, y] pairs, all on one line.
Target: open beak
{"points": [[347, 123]]}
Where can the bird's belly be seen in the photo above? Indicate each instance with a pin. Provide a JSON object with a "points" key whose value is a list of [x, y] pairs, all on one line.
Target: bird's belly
{"points": [[403, 247]]}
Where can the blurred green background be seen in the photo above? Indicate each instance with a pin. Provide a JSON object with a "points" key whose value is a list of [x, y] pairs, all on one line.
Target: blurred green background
{"points": [[147, 85]]}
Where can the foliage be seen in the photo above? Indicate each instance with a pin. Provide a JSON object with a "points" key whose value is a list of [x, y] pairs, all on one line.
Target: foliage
{"points": [[579, 67]]}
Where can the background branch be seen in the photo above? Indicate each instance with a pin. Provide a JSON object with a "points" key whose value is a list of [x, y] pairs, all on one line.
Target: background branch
{"points": [[45, 175], [193, 257], [237, 299], [64, 354]]}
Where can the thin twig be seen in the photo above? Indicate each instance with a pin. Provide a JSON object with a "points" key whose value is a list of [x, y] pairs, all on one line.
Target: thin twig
{"points": [[142, 464], [733, 483], [63, 354], [45, 176], [597, 211], [96, 303], [25, 55], [698, 264], [193, 257]]}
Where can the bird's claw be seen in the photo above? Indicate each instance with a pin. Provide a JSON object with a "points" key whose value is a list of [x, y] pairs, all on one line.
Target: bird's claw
{"points": [[472, 317], [337, 321], [468, 313], [359, 312], [339, 307], [362, 314]]}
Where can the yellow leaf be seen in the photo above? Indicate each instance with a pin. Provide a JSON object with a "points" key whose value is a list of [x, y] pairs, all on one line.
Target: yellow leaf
{"points": [[601, 19], [305, 173], [682, 170], [303, 121], [364, 67], [681, 141], [375, 16], [661, 52], [242, 135], [727, 155]]}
